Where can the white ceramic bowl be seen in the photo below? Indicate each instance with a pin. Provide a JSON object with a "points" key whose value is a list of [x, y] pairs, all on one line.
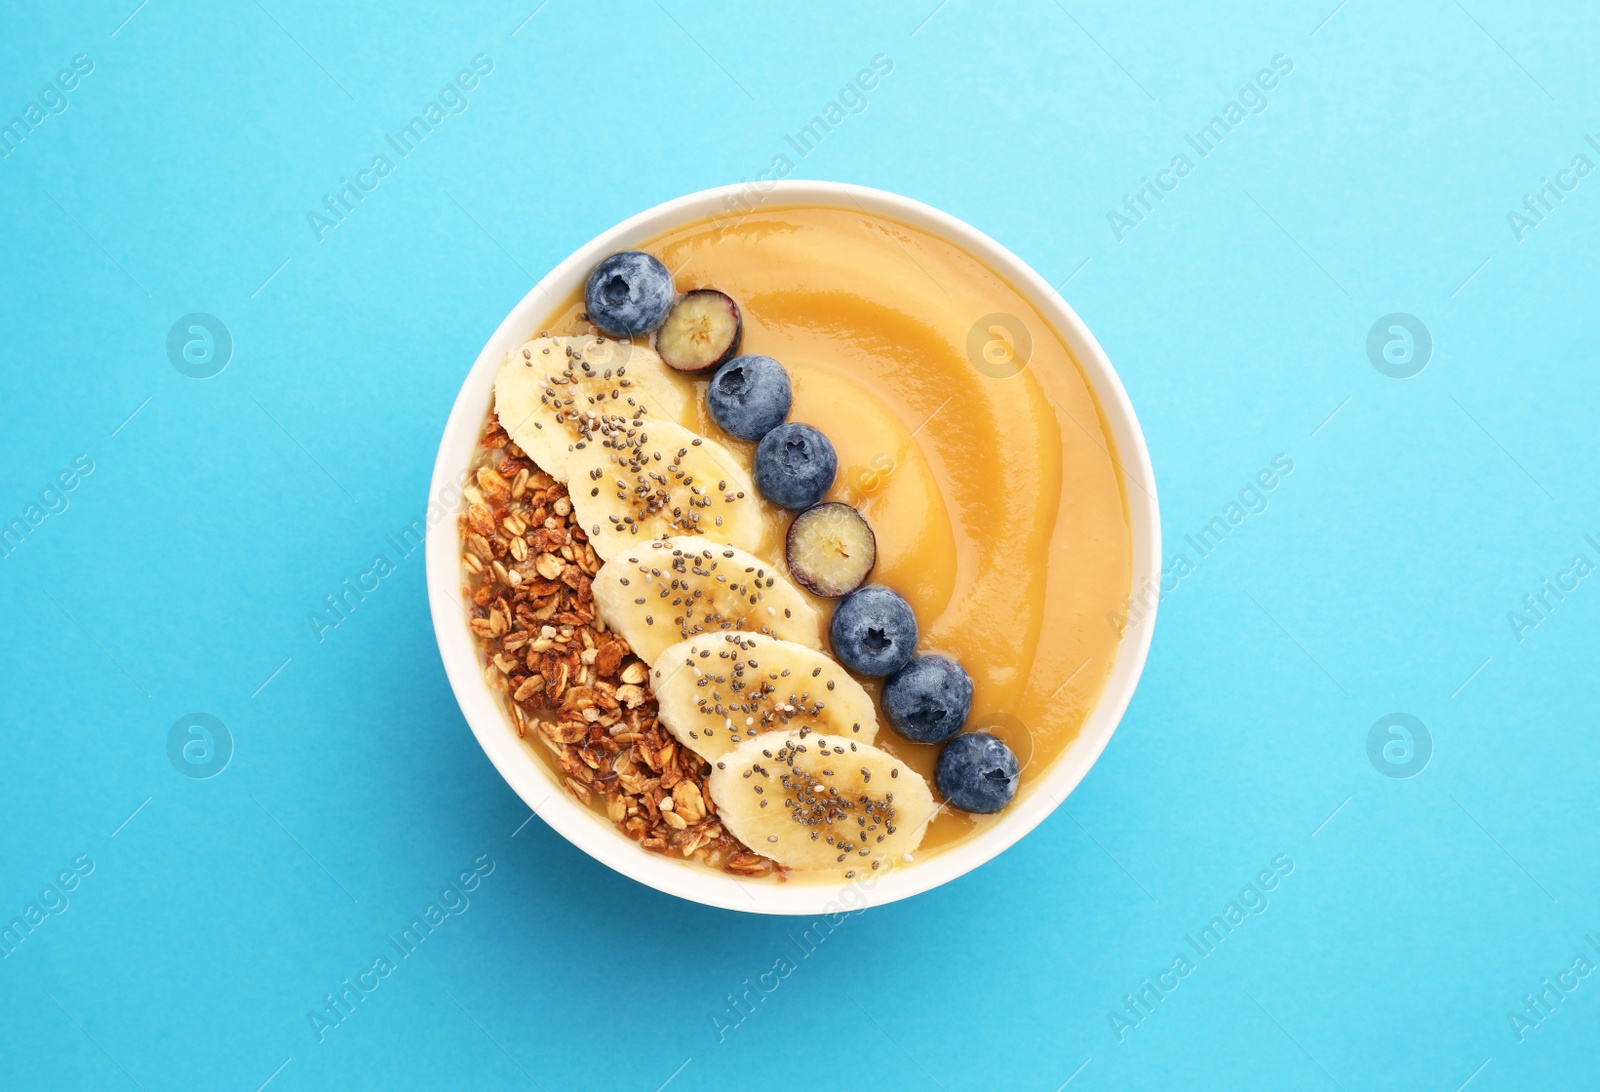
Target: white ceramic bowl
{"points": [[591, 832]]}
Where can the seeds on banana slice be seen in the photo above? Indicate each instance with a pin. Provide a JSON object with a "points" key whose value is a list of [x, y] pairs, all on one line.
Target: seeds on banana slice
{"points": [[554, 394], [652, 479], [655, 594], [812, 801], [719, 689]]}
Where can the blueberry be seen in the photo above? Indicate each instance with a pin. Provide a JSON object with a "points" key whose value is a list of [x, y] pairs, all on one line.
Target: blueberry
{"points": [[927, 700], [749, 396], [795, 465], [976, 772], [628, 293], [873, 632]]}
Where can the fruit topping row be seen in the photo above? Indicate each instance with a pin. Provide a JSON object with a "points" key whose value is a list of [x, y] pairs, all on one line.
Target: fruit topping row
{"points": [[830, 548]]}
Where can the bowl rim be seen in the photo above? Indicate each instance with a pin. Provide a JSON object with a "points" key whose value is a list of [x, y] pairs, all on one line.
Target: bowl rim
{"points": [[526, 773]]}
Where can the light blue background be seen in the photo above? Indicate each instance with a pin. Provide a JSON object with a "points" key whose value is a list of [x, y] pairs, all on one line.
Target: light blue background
{"points": [[1378, 580]]}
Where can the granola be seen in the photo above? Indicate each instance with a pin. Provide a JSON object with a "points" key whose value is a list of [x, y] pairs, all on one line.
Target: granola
{"points": [[568, 683]]}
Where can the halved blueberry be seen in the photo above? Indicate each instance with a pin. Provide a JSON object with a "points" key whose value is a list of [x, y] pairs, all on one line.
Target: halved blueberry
{"points": [[978, 773], [874, 631], [701, 330], [795, 465], [927, 700], [830, 549], [628, 293], [749, 396]]}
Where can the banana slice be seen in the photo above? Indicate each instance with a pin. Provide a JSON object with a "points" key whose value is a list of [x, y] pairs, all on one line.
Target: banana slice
{"points": [[718, 689], [652, 479], [554, 393], [813, 801], [655, 594]]}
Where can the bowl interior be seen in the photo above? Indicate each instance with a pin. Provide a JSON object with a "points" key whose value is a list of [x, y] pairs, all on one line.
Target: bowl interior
{"points": [[590, 831]]}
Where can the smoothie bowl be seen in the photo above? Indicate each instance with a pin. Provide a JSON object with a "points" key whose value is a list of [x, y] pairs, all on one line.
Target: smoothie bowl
{"points": [[791, 548]]}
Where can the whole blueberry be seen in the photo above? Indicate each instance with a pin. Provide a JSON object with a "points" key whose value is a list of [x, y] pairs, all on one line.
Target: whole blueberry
{"points": [[874, 631], [628, 293], [928, 699], [976, 772], [749, 396], [795, 465]]}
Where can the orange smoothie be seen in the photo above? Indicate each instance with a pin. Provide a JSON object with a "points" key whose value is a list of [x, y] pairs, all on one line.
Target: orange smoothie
{"points": [[978, 454]]}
